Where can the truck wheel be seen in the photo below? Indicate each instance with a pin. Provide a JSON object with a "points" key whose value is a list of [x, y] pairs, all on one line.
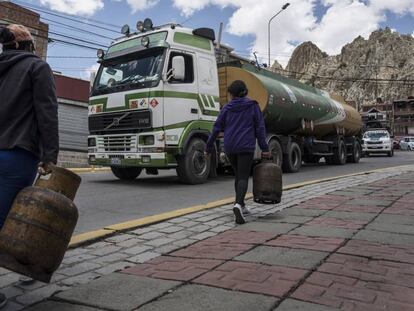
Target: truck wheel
{"points": [[356, 153], [193, 167], [339, 157], [126, 173], [277, 153], [391, 153], [292, 161]]}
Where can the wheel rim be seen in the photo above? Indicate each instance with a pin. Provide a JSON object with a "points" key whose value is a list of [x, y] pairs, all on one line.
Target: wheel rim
{"points": [[295, 158], [199, 163], [357, 152], [343, 156]]}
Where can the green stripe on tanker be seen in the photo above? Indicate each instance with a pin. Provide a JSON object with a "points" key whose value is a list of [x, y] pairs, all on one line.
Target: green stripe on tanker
{"points": [[288, 104]]}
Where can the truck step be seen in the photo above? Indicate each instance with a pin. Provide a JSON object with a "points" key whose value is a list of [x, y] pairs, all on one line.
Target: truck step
{"points": [[326, 142]]}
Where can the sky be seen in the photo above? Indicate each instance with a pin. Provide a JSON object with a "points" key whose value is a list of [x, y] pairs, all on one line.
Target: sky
{"points": [[330, 24]]}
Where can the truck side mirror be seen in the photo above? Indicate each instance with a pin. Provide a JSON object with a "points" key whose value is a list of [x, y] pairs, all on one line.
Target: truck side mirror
{"points": [[178, 68], [92, 79]]}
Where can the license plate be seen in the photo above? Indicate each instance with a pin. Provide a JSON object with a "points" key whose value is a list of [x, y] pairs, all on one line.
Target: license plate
{"points": [[116, 161]]}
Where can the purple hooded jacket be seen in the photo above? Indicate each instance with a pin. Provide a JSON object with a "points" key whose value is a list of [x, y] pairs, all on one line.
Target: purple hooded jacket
{"points": [[242, 122]]}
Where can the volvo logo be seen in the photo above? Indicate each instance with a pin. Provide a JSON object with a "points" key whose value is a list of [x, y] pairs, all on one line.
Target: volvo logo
{"points": [[116, 121]]}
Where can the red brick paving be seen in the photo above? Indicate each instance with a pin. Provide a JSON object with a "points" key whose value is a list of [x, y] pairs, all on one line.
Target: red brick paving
{"points": [[173, 268], [252, 277], [305, 242], [359, 208], [320, 206], [337, 223], [212, 250], [370, 270], [400, 253], [349, 293], [242, 237], [401, 208]]}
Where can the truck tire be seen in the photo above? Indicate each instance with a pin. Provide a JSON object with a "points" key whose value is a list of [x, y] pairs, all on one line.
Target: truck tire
{"points": [[356, 153], [126, 173], [339, 157], [391, 153], [292, 161], [193, 167], [277, 152]]}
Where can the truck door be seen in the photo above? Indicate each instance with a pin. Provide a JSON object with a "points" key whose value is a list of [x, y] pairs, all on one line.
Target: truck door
{"points": [[208, 87], [180, 98]]}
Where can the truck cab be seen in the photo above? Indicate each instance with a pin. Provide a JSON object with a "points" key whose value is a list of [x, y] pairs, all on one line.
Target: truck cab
{"points": [[377, 142], [154, 102]]}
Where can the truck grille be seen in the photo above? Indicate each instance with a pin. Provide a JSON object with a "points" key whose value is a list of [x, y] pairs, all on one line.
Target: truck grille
{"points": [[127, 143], [379, 142], [120, 121]]}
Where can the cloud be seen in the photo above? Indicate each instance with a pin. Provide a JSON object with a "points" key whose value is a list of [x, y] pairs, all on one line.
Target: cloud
{"points": [[77, 7], [137, 5], [86, 74], [342, 21]]}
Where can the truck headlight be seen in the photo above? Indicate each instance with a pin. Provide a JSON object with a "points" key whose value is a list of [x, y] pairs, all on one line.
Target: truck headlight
{"points": [[91, 142]]}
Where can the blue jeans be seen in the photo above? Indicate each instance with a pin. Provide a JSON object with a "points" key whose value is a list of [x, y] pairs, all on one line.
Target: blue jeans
{"points": [[18, 169]]}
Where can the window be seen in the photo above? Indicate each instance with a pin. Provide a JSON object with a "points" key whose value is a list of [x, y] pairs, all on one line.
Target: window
{"points": [[189, 67]]}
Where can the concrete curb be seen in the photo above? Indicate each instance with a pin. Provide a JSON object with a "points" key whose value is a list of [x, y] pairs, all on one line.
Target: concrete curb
{"points": [[92, 236]]}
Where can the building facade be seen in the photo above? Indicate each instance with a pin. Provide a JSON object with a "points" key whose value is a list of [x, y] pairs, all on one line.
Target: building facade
{"points": [[73, 99], [11, 13], [398, 115]]}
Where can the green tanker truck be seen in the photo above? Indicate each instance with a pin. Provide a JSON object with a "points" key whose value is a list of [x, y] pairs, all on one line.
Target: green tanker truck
{"points": [[159, 90]]}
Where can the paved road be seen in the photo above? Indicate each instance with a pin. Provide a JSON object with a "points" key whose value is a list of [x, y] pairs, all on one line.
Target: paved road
{"points": [[103, 200]]}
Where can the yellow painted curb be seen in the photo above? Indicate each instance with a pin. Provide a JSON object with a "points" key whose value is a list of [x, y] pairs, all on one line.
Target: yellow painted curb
{"points": [[82, 238], [89, 169], [87, 237]]}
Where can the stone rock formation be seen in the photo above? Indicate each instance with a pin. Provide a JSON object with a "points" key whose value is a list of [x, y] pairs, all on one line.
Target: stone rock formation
{"points": [[381, 66]]}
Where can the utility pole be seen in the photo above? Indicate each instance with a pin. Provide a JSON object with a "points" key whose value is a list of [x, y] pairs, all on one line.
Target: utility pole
{"points": [[284, 7]]}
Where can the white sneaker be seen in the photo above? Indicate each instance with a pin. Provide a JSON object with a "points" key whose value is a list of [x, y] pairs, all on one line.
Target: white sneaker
{"points": [[238, 215], [245, 210]]}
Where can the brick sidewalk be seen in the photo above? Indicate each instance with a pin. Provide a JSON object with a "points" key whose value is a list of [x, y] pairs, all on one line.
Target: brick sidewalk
{"points": [[348, 249]]}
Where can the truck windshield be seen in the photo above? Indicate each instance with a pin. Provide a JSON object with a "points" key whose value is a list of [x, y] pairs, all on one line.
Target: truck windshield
{"points": [[376, 135], [139, 70]]}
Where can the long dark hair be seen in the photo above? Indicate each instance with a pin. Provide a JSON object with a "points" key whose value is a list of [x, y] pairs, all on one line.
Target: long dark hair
{"points": [[238, 89]]}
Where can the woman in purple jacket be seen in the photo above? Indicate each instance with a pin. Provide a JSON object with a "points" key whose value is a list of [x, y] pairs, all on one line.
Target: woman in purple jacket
{"points": [[242, 123]]}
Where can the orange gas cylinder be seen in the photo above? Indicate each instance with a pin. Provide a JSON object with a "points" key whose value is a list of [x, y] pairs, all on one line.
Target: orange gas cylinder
{"points": [[38, 229]]}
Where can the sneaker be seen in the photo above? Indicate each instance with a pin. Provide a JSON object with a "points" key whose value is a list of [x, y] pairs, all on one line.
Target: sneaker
{"points": [[245, 210], [238, 215], [3, 300]]}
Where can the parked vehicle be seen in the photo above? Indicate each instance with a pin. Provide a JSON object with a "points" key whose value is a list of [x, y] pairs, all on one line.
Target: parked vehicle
{"points": [[407, 143], [158, 92], [396, 144], [377, 142]]}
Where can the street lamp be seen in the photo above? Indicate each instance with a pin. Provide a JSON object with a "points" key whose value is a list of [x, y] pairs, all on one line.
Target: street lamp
{"points": [[284, 7]]}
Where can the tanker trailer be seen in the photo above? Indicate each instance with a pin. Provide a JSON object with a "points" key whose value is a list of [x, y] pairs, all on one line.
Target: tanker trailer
{"points": [[303, 122]]}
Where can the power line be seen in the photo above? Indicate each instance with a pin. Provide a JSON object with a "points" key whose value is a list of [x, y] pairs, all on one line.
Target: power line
{"points": [[97, 46], [64, 15], [71, 19], [58, 24]]}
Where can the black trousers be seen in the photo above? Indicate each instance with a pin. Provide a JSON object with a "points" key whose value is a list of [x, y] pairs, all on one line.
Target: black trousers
{"points": [[242, 164]]}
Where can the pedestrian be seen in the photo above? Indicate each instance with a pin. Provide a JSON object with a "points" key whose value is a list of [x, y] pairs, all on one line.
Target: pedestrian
{"points": [[242, 123], [29, 139]]}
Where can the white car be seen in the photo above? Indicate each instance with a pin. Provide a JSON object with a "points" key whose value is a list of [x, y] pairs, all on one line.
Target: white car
{"points": [[407, 143], [376, 142]]}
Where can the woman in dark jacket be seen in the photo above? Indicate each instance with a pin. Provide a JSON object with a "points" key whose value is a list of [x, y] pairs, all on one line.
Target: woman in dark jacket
{"points": [[242, 123], [28, 117]]}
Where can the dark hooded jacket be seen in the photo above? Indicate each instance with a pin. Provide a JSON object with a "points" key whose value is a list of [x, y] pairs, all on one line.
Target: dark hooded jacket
{"points": [[242, 123], [28, 105]]}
